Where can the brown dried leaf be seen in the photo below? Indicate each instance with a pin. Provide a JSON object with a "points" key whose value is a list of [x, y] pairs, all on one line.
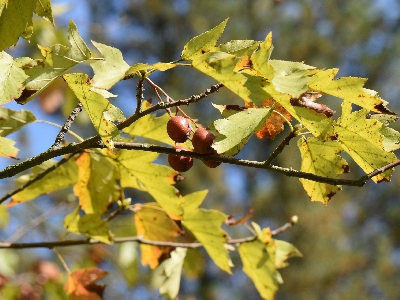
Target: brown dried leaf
{"points": [[232, 222], [274, 124], [81, 284]]}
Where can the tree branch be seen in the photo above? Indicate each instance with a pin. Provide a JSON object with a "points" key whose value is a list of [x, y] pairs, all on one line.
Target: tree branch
{"points": [[139, 239]]}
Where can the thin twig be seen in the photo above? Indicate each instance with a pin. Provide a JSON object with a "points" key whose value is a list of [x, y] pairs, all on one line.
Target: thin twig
{"points": [[36, 222], [280, 147], [139, 96], [67, 125], [36, 178], [138, 239]]}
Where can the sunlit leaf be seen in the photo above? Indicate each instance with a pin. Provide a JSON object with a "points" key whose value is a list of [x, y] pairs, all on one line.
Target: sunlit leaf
{"points": [[259, 264], [95, 105], [391, 137], [260, 58], [362, 140], [62, 177], [11, 78], [168, 274], [7, 148], [81, 284], [238, 128], [109, 71], [206, 227], [58, 59], [239, 47], [154, 224], [349, 89], [43, 9], [14, 20], [138, 171], [321, 158], [90, 225], [160, 66], [12, 120], [203, 43], [284, 250], [192, 201], [95, 183], [152, 127]]}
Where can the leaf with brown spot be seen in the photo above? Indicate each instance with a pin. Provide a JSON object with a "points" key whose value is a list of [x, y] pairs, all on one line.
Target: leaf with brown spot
{"points": [[274, 125], [154, 224], [81, 284]]}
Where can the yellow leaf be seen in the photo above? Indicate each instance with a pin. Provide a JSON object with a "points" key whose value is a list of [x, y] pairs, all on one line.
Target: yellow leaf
{"points": [[206, 227], [154, 224]]}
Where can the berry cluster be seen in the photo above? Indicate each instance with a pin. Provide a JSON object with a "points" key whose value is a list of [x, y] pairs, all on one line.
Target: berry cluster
{"points": [[179, 130]]}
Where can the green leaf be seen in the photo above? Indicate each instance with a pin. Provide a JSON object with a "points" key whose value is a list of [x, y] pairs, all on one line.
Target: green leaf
{"points": [[321, 158], [12, 120], [259, 264], [238, 128], [349, 89], [62, 177], [110, 70], [192, 201], [239, 47], [7, 148], [160, 66], [154, 224], [169, 273], [284, 250], [96, 106], [152, 127], [203, 43], [362, 140], [58, 59], [95, 183], [222, 67], [206, 227], [391, 137], [43, 9], [90, 225], [138, 172], [290, 77], [128, 262], [11, 78], [14, 19], [260, 58]]}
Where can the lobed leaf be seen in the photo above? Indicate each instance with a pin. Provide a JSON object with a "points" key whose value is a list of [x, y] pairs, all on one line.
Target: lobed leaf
{"points": [[11, 78], [349, 89], [203, 43], [82, 284], [160, 66], [154, 224], [259, 264], [284, 250], [12, 120], [90, 225], [170, 272], [362, 140], [43, 9], [95, 183], [206, 227], [238, 128], [138, 172], [152, 127], [7, 148], [60, 178], [58, 59], [321, 158], [109, 71], [96, 106], [15, 20]]}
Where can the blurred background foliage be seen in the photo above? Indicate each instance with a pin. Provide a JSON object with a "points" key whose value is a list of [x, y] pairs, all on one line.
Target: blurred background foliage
{"points": [[351, 247]]}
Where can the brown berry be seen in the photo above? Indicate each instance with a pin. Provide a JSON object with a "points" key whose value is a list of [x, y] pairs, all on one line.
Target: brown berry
{"points": [[212, 163], [202, 141], [178, 129], [180, 163]]}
